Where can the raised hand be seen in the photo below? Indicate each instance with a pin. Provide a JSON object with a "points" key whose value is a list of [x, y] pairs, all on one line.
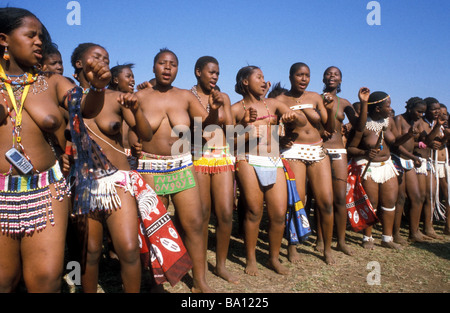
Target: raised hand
{"points": [[144, 85], [128, 101], [97, 73], [268, 85], [328, 100], [364, 94]]}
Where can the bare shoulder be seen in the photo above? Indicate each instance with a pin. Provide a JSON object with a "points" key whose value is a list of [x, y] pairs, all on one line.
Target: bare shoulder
{"points": [[112, 95], [282, 97], [344, 102], [143, 93], [58, 80], [226, 97], [313, 95], [274, 102], [237, 109]]}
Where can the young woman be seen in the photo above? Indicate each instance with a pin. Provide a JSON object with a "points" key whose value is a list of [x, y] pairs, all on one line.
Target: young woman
{"points": [[214, 164], [52, 61], [33, 231], [307, 156], [371, 149], [332, 78], [122, 78], [427, 150], [166, 161], [259, 168], [407, 161], [116, 206]]}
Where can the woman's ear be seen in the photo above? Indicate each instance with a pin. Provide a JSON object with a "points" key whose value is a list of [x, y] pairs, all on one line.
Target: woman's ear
{"points": [[198, 72], [79, 64], [3, 39]]}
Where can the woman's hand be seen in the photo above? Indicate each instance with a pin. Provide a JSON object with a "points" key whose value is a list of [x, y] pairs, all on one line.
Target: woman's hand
{"points": [[288, 117], [215, 99], [136, 149], [250, 116], [328, 100], [364, 94], [417, 162], [372, 153], [128, 101], [97, 73]]}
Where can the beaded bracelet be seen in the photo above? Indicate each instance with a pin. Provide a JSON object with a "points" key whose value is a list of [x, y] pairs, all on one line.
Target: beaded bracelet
{"points": [[97, 89]]}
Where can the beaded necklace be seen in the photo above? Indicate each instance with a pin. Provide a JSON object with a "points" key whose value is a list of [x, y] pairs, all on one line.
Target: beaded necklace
{"points": [[194, 91], [300, 98], [377, 126], [17, 100]]}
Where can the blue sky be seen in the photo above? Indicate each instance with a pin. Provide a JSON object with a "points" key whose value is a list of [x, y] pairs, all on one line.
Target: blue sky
{"points": [[407, 55]]}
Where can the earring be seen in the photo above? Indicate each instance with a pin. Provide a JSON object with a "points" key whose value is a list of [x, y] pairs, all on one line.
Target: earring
{"points": [[6, 54]]}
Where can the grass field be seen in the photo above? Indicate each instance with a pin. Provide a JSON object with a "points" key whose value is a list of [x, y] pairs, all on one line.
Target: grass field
{"points": [[418, 268]]}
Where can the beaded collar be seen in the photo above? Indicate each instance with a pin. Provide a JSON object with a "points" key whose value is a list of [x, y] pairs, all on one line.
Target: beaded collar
{"points": [[377, 126]]}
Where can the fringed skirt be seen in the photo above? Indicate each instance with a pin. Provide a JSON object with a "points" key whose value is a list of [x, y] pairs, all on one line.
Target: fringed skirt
{"points": [[104, 196], [214, 160], [380, 172], [26, 201]]}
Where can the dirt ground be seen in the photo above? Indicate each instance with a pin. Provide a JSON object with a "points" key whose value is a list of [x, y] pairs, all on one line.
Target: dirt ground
{"points": [[418, 268]]}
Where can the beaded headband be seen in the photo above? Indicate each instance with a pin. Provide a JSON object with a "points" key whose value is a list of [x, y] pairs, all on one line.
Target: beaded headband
{"points": [[375, 102]]}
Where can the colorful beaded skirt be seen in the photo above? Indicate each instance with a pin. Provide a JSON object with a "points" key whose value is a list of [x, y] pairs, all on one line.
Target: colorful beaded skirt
{"points": [[26, 201]]}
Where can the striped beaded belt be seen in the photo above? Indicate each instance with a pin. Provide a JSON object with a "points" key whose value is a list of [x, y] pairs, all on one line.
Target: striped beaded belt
{"points": [[154, 163]]}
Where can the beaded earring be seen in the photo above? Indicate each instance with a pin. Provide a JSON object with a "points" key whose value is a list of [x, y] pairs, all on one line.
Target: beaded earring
{"points": [[6, 54]]}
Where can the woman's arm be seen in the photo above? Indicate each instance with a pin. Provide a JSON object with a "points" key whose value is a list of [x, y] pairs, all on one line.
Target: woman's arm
{"points": [[99, 76], [134, 116], [287, 115]]}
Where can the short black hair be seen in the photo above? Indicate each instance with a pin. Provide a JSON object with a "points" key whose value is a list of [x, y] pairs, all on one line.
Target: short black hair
{"points": [[79, 52], [294, 67], [161, 51], [202, 61]]}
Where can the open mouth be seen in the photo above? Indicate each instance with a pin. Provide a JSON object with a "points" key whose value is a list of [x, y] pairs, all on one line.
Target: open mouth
{"points": [[38, 54]]}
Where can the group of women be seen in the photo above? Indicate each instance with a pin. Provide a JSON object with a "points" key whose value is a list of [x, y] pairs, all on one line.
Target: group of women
{"points": [[37, 108]]}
